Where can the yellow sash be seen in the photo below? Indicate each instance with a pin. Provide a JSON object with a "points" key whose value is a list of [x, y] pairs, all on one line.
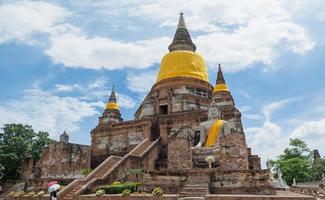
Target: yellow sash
{"points": [[213, 133]]}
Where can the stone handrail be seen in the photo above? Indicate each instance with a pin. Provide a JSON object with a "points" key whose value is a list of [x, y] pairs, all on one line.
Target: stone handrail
{"points": [[310, 183], [69, 187], [317, 191], [119, 163], [92, 179], [99, 167], [90, 176], [150, 147]]}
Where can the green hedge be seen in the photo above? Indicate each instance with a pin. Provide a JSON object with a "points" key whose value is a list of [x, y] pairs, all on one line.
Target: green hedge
{"points": [[119, 188]]}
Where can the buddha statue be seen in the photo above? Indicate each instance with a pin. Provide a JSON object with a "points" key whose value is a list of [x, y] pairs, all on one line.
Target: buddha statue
{"points": [[213, 129]]}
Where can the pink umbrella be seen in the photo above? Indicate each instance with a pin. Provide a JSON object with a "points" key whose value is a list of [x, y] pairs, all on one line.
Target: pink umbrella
{"points": [[51, 183], [53, 188]]}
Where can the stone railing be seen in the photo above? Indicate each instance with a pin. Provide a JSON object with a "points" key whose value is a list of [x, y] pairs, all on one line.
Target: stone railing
{"points": [[310, 183], [135, 157], [317, 191], [90, 176]]}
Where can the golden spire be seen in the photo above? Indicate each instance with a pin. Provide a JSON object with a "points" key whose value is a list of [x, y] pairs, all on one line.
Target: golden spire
{"points": [[182, 60], [112, 103], [220, 83]]}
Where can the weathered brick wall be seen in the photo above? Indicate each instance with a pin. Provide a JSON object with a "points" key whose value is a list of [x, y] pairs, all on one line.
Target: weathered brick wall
{"points": [[117, 139], [254, 162], [60, 160], [38, 184], [241, 182], [171, 184], [116, 197], [233, 152], [179, 153]]}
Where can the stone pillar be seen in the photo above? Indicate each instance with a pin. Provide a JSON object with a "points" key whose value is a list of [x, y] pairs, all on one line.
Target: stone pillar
{"points": [[233, 152], [179, 154]]}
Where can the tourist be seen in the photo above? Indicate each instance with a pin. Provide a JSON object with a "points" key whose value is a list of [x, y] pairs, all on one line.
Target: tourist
{"points": [[53, 189]]}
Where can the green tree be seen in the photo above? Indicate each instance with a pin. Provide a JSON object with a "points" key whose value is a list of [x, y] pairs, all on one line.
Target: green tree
{"points": [[18, 142], [318, 169], [296, 162]]}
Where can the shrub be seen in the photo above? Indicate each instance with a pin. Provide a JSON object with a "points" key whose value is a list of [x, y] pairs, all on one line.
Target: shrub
{"points": [[116, 183], [31, 194], [21, 193], [40, 193], [126, 192], [100, 192], [116, 188], [157, 192], [11, 194], [86, 171]]}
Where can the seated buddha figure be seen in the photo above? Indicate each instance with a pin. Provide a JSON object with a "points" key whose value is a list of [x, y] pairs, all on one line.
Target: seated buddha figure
{"points": [[213, 129]]}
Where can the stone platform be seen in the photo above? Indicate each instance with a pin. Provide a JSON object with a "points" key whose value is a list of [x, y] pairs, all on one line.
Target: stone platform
{"points": [[280, 195]]}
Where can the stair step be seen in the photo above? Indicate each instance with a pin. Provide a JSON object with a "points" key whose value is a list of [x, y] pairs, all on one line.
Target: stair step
{"points": [[196, 185], [194, 188], [192, 194], [192, 198]]}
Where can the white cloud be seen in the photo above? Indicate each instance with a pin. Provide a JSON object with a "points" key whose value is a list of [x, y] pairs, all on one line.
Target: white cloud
{"points": [[96, 91], [21, 20], [272, 107], [75, 50], [313, 132], [47, 112], [236, 33], [66, 87], [253, 116], [141, 82], [267, 141], [125, 101], [310, 130]]}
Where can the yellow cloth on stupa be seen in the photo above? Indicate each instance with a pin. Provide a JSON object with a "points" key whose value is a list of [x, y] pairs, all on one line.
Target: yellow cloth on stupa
{"points": [[112, 106], [213, 133]]}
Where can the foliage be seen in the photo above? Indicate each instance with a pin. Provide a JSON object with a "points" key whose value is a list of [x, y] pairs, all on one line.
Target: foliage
{"points": [[21, 193], [18, 142], [31, 194], [137, 172], [2, 171], [40, 193], [297, 162], [318, 169], [100, 192], [119, 188], [126, 192], [11, 194], [297, 149], [116, 183], [157, 192], [86, 171]]}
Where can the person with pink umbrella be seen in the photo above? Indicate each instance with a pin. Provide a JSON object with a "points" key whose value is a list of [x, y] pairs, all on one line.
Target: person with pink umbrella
{"points": [[53, 189]]}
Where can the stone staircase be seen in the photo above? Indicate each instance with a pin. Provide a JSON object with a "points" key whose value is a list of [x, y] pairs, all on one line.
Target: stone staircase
{"points": [[103, 170], [138, 152], [69, 191], [191, 190], [195, 188]]}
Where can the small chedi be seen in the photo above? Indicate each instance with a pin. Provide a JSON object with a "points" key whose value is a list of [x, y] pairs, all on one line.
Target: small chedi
{"points": [[186, 135]]}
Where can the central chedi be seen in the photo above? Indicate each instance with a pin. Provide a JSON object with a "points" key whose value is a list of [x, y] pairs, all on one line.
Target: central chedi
{"points": [[182, 60], [187, 135]]}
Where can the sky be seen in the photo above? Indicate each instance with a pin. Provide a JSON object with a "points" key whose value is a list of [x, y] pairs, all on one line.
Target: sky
{"points": [[59, 60]]}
